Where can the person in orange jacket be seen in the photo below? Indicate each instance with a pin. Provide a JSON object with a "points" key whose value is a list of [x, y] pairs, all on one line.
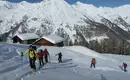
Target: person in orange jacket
{"points": [[93, 62]]}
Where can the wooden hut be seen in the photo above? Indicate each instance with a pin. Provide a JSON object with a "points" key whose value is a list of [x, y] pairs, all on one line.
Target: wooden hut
{"points": [[51, 40], [25, 38]]}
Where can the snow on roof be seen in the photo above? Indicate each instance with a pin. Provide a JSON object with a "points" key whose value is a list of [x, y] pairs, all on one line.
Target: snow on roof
{"points": [[27, 36], [53, 38]]}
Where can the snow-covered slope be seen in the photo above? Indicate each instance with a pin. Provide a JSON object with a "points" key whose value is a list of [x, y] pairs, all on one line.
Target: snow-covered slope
{"points": [[75, 66]]}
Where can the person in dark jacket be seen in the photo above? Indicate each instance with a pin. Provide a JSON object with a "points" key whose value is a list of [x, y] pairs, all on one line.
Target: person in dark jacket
{"points": [[125, 66], [40, 57], [93, 62], [59, 57], [46, 54]]}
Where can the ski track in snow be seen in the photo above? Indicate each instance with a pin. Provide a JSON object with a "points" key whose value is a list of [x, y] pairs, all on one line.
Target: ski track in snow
{"points": [[48, 66]]}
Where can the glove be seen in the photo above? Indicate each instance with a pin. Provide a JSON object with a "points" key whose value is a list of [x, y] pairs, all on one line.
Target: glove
{"points": [[21, 54]]}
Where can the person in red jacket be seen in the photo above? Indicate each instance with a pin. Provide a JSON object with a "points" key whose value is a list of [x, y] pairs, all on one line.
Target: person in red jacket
{"points": [[93, 62], [46, 54], [40, 57], [125, 66]]}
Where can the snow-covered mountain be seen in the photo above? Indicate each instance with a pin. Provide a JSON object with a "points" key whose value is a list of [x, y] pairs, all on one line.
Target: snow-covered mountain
{"points": [[106, 24], [113, 14], [52, 14], [78, 24]]}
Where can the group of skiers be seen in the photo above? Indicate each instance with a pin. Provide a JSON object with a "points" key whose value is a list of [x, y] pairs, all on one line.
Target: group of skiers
{"points": [[33, 55]]}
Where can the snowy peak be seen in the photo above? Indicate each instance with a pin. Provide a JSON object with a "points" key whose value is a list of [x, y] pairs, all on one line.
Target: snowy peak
{"points": [[80, 4], [112, 14], [103, 10], [62, 10], [6, 5], [52, 8]]}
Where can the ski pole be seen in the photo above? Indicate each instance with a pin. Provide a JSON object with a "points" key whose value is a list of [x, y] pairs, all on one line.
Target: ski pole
{"points": [[21, 59], [49, 58]]}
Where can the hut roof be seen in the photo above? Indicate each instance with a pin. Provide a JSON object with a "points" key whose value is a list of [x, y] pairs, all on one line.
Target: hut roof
{"points": [[27, 36], [53, 38]]}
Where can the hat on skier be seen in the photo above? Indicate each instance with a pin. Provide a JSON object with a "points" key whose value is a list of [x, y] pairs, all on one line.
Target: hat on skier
{"points": [[40, 50], [30, 46]]}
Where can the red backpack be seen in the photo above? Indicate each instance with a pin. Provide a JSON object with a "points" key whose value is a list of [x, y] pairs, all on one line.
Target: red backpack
{"points": [[125, 65], [44, 53]]}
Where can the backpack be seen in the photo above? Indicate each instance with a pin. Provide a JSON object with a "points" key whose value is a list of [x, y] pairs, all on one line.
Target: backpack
{"points": [[93, 60], [34, 47], [44, 53], [125, 65], [60, 54], [33, 53]]}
